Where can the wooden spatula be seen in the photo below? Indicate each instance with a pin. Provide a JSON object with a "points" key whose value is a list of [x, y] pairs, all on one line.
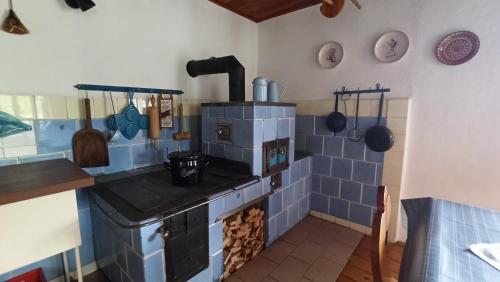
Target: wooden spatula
{"points": [[90, 148]]}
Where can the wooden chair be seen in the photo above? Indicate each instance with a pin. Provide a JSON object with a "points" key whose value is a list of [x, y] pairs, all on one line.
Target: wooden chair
{"points": [[379, 234]]}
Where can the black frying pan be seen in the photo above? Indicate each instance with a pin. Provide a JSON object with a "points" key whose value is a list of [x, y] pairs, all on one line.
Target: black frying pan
{"points": [[336, 121], [379, 138]]}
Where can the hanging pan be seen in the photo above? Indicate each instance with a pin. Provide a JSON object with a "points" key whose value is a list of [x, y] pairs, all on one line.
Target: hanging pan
{"points": [[12, 24], [379, 138], [336, 121]]}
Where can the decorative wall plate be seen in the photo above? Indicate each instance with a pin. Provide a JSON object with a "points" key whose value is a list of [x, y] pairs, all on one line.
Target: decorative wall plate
{"points": [[391, 46], [330, 55], [457, 48]]}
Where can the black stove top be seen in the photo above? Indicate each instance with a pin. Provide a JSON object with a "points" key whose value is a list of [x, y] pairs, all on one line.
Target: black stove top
{"points": [[143, 194]]}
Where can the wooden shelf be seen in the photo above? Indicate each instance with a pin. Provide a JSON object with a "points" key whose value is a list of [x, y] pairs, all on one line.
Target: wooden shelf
{"points": [[32, 180]]}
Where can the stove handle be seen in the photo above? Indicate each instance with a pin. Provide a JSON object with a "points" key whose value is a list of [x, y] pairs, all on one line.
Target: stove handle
{"points": [[164, 232]]}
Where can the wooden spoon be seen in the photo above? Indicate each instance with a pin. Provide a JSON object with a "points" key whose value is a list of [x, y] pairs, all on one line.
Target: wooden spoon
{"points": [[331, 8]]}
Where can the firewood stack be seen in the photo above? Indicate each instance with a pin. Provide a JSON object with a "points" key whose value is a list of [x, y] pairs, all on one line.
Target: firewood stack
{"points": [[243, 238]]}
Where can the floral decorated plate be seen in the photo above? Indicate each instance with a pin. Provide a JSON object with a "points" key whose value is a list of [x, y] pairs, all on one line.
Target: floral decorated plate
{"points": [[392, 46], [330, 55], [457, 48]]}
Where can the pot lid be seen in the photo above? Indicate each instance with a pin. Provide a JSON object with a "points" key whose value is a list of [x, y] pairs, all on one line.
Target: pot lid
{"points": [[185, 155]]}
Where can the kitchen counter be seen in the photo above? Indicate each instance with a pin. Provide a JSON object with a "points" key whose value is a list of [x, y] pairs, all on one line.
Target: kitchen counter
{"points": [[248, 103], [32, 180]]}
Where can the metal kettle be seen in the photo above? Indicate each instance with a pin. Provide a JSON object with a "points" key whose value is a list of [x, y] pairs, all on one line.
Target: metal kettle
{"points": [[260, 89], [275, 91]]}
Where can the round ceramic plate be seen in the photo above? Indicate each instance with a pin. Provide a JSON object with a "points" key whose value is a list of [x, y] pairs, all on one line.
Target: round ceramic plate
{"points": [[330, 55], [457, 48], [391, 46]]}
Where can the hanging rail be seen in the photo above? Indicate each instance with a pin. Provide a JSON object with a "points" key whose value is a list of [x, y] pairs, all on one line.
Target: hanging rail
{"points": [[378, 90], [126, 89]]}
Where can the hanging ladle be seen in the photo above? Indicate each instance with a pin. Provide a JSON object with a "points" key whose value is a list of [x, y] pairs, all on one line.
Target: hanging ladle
{"points": [[12, 24], [354, 134]]}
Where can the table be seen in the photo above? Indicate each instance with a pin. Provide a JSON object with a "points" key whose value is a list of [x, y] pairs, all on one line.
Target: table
{"points": [[439, 235]]}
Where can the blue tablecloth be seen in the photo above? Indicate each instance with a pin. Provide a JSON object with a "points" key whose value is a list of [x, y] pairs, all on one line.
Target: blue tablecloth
{"points": [[439, 235]]}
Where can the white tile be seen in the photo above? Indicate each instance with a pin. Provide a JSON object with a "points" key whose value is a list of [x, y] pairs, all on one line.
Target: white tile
{"points": [[397, 125], [398, 108], [26, 138], [51, 107], [19, 106], [76, 108], [102, 107], [1, 153], [391, 176], [393, 159], [20, 151]]}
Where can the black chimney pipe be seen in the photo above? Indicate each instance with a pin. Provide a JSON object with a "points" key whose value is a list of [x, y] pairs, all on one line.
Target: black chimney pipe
{"points": [[229, 65]]}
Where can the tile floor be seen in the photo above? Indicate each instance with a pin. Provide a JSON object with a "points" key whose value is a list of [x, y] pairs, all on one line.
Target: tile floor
{"points": [[313, 250]]}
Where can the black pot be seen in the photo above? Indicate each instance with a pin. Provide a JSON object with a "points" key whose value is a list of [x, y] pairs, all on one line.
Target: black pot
{"points": [[186, 167]]}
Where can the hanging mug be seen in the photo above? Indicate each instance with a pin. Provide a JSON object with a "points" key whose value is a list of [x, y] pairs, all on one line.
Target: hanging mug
{"points": [[260, 89], [273, 91]]}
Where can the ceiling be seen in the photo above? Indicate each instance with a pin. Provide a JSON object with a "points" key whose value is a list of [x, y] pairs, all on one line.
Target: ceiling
{"points": [[261, 10]]}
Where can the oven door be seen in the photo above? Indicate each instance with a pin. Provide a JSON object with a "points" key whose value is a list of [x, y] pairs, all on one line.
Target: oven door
{"points": [[186, 246]]}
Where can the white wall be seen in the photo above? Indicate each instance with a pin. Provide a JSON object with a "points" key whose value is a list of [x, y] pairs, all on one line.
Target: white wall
{"points": [[123, 42], [453, 138]]}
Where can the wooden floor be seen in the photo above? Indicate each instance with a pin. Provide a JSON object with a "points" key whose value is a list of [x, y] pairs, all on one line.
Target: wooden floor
{"points": [[359, 266]]}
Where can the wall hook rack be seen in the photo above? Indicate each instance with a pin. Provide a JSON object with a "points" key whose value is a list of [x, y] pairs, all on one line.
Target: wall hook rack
{"points": [[126, 89], [377, 90]]}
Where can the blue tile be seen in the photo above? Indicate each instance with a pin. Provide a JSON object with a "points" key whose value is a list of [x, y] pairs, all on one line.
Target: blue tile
{"points": [[233, 153], [364, 123], [304, 125], [270, 128], [215, 238], [291, 152], [342, 168], [277, 112], [119, 159], [354, 150], [147, 240], [281, 222], [82, 198], [38, 158], [288, 196], [205, 111], [247, 133], [218, 266], [300, 140], [209, 130], [216, 150], [350, 191], [154, 268], [94, 170], [135, 265], [305, 165], [360, 214], [319, 202], [283, 128], [216, 112], [380, 170], [275, 203], [290, 112], [369, 195], [339, 208], [203, 276], [257, 112], [285, 177], [87, 247], [233, 112], [254, 158], [299, 188], [295, 171], [233, 201], [293, 215], [330, 186], [364, 172], [333, 146], [308, 184], [215, 209], [321, 165], [144, 154], [266, 185], [292, 129], [303, 207], [320, 126], [373, 156], [314, 144], [316, 183], [271, 230], [54, 135], [253, 192]]}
